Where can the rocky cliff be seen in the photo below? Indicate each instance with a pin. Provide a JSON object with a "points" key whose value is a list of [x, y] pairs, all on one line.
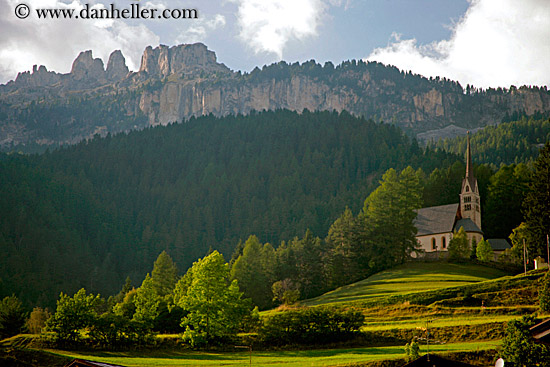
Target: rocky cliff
{"points": [[176, 83]]}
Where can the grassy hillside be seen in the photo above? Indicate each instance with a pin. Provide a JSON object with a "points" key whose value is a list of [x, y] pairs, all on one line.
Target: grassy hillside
{"points": [[465, 306], [408, 278]]}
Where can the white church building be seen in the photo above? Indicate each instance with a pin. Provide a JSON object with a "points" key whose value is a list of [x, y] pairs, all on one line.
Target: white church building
{"points": [[436, 224]]}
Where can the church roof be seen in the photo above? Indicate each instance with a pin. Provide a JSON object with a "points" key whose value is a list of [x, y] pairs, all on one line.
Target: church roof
{"points": [[499, 244], [468, 224], [436, 219]]}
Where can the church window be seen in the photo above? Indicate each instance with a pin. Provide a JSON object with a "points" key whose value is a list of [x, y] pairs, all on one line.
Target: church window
{"points": [[477, 208], [468, 207], [467, 199], [467, 188], [443, 242], [434, 246]]}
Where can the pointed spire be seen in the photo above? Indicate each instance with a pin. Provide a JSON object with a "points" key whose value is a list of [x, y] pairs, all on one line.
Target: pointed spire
{"points": [[469, 168]]}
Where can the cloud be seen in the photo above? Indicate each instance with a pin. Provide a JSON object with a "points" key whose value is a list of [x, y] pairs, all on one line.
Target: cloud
{"points": [[267, 26], [56, 43], [200, 28], [496, 43]]}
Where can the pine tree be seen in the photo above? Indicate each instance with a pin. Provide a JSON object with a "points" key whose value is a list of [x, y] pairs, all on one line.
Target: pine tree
{"points": [[147, 302], [537, 204], [164, 274], [253, 279], [12, 316], [388, 218]]}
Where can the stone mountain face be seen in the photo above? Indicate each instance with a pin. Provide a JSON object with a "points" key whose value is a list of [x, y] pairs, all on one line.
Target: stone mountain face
{"points": [[177, 83], [116, 67]]}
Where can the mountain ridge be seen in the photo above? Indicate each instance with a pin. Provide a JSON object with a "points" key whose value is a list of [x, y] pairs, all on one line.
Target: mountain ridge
{"points": [[184, 81]]}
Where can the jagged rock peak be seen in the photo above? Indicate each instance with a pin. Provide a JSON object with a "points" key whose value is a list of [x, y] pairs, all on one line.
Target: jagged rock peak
{"points": [[86, 67], [164, 60], [39, 77], [116, 66]]}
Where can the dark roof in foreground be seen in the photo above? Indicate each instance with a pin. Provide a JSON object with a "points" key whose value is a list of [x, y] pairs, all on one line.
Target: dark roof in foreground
{"points": [[436, 361], [499, 244], [468, 225], [85, 363], [541, 332], [435, 219]]}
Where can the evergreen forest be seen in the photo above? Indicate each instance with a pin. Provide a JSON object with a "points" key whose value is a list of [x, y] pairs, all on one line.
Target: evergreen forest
{"points": [[92, 214]]}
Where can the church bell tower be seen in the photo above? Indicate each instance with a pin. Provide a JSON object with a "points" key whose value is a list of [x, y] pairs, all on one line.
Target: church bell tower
{"points": [[470, 203]]}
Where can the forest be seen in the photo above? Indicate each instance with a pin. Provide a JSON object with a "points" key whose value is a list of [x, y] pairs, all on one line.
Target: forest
{"points": [[93, 214], [214, 300]]}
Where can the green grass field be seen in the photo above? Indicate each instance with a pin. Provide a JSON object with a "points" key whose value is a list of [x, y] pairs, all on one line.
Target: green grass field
{"points": [[325, 357], [408, 278], [438, 322], [456, 322]]}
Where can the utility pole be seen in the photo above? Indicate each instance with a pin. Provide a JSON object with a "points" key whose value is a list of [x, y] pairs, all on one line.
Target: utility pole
{"points": [[548, 251], [249, 350], [428, 338], [524, 258]]}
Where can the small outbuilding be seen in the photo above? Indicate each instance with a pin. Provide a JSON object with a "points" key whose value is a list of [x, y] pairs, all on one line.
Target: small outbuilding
{"points": [[499, 245]]}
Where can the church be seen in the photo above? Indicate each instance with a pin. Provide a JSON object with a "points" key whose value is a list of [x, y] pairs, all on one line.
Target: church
{"points": [[436, 224]]}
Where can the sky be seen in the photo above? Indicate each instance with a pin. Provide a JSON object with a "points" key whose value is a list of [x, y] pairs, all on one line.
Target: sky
{"points": [[484, 43]]}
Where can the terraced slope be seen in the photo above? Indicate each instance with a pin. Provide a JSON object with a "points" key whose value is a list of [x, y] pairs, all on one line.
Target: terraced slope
{"points": [[409, 278]]}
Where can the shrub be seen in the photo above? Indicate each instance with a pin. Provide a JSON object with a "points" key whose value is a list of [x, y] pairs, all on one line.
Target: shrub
{"points": [[518, 348], [310, 326], [37, 320], [110, 331], [412, 350], [544, 293], [73, 315]]}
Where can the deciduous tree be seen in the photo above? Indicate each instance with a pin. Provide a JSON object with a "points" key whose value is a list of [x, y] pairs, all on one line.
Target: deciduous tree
{"points": [[484, 251], [459, 247], [214, 305], [73, 314], [37, 320]]}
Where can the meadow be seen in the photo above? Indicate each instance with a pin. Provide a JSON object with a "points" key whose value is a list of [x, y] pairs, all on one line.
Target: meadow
{"points": [[398, 305], [302, 358], [408, 278]]}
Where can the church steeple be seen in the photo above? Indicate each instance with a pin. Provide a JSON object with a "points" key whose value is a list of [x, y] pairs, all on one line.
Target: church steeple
{"points": [[470, 203], [468, 158]]}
